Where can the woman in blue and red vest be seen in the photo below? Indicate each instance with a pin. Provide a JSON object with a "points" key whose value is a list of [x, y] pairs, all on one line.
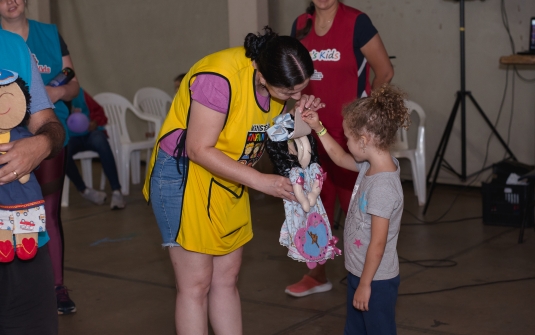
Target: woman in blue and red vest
{"points": [[51, 55], [344, 45]]}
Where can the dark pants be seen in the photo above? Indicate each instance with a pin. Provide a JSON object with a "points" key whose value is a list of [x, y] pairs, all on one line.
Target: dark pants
{"points": [[27, 297], [380, 318], [95, 141]]}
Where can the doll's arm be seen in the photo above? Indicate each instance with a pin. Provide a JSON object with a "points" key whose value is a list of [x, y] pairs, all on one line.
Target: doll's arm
{"points": [[297, 178], [24, 179], [317, 184]]}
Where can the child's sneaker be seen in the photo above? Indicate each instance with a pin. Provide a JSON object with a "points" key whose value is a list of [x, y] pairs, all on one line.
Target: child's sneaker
{"points": [[307, 286], [65, 304], [117, 200], [96, 197]]}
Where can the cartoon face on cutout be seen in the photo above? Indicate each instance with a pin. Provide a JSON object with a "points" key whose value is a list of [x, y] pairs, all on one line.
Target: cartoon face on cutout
{"points": [[13, 100]]}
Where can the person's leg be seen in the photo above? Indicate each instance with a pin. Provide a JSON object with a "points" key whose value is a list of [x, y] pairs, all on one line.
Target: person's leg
{"points": [[193, 275], [50, 176], [28, 304], [380, 319], [354, 319], [98, 141], [76, 144], [224, 306]]}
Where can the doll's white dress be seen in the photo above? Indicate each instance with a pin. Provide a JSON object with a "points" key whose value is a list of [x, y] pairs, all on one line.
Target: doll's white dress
{"points": [[307, 236]]}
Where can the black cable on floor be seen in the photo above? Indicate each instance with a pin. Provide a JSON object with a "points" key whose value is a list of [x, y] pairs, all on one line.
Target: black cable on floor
{"points": [[467, 286], [343, 282], [424, 222], [442, 263]]}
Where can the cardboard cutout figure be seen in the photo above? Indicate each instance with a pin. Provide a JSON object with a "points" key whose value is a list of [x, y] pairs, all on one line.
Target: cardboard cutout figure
{"points": [[306, 232], [22, 212]]}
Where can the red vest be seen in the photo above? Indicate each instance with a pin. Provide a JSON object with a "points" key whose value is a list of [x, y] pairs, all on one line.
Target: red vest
{"points": [[336, 72]]}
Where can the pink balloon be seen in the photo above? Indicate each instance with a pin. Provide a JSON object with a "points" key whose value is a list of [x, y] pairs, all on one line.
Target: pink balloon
{"points": [[78, 122]]}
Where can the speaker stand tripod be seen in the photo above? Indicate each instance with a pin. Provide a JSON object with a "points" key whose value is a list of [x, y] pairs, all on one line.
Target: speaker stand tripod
{"points": [[438, 160]]}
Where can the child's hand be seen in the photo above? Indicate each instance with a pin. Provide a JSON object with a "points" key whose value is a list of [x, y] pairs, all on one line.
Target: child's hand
{"points": [[312, 119], [362, 297]]}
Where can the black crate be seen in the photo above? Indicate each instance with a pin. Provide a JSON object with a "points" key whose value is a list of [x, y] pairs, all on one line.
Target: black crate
{"points": [[505, 205]]}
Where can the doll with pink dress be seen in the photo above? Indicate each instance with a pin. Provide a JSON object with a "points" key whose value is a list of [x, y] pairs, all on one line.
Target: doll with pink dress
{"points": [[306, 231]]}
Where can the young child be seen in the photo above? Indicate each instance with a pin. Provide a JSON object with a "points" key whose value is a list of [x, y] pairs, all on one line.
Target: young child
{"points": [[374, 216]]}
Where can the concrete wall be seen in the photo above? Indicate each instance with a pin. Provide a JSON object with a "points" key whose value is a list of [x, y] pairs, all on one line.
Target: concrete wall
{"points": [[424, 37], [245, 16], [123, 45]]}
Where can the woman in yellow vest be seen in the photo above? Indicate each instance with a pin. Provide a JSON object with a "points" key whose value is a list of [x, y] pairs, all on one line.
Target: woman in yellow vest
{"points": [[201, 169]]}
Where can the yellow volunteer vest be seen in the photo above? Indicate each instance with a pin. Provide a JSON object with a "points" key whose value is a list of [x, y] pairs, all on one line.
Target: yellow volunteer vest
{"points": [[216, 215]]}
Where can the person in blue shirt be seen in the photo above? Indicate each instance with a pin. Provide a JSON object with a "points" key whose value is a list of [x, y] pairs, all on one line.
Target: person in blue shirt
{"points": [[52, 56], [28, 302]]}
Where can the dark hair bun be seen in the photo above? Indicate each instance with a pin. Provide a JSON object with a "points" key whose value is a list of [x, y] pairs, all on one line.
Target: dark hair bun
{"points": [[255, 43]]}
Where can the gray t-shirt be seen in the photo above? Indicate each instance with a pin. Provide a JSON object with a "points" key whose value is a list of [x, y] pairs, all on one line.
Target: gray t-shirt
{"points": [[380, 195], [39, 97]]}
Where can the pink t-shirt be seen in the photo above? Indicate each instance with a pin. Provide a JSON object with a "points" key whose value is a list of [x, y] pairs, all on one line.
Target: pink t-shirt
{"points": [[213, 92]]}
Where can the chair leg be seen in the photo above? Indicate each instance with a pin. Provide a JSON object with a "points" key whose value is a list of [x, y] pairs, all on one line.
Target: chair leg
{"points": [[135, 163], [87, 173], [125, 183], [422, 182], [414, 175], [65, 192]]}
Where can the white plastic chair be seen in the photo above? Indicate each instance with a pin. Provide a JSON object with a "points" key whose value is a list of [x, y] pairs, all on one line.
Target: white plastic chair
{"points": [[128, 153], [86, 159], [416, 156], [153, 101]]}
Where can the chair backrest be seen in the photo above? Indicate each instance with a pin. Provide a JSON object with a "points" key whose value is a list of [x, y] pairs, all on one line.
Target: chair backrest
{"points": [[153, 101], [402, 141], [116, 106]]}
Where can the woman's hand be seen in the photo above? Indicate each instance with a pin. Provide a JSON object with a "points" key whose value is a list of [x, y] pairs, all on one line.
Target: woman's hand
{"points": [[276, 186], [308, 102], [22, 157], [362, 297]]}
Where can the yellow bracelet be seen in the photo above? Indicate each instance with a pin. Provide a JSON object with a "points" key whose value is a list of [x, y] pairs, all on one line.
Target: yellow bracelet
{"points": [[323, 131]]}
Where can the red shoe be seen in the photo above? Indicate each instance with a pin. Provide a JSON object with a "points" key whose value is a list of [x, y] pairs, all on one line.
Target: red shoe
{"points": [[307, 286], [7, 253], [27, 249]]}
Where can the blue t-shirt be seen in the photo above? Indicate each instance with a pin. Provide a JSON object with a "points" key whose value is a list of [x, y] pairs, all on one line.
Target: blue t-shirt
{"points": [[15, 56]]}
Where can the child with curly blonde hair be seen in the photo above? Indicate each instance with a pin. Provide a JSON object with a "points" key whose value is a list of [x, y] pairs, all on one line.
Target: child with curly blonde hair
{"points": [[374, 216]]}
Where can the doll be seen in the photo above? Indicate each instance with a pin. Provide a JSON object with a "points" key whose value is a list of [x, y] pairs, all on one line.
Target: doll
{"points": [[306, 232], [22, 212]]}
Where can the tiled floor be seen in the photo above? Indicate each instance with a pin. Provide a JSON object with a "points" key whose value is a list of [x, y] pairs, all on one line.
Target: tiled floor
{"points": [[122, 280]]}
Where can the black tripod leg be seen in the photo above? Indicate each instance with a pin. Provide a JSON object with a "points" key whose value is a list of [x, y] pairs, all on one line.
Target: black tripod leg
{"points": [[443, 139], [523, 224], [440, 153], [491, 126]]}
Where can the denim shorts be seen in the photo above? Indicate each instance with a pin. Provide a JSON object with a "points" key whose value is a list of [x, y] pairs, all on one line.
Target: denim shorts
{"points": [[166, 194]]}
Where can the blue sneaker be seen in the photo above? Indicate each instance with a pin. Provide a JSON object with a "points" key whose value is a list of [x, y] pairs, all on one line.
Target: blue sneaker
{"points": [[65, 304]]}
